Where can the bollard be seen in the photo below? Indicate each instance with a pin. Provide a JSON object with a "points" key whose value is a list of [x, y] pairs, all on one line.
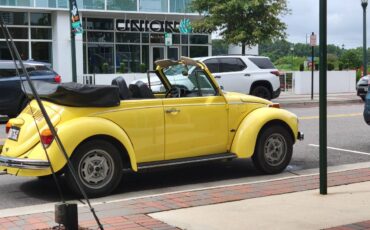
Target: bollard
{"points": [[67, 215]]}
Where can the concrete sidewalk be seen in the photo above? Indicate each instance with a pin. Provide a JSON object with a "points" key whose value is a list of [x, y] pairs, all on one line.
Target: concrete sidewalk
{"points": [[288, 99], [289, 203]]}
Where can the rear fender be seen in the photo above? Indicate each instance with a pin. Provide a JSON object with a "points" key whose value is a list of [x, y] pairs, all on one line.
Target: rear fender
{"points": [[245, 139], [73, 133]]}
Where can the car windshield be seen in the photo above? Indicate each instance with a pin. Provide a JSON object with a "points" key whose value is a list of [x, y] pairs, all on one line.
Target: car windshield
{"points": [[190, 78]]}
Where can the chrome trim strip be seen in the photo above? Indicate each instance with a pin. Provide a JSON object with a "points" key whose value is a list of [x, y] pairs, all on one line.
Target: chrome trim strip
{"points": [[187, 161], [23, 163]]}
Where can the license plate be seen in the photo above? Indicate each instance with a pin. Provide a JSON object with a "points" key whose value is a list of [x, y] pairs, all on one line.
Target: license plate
{"points": [[14, 133]]}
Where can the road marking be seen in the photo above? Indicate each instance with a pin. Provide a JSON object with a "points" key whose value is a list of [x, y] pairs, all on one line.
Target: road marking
{"points": [[332, 116], [343, 150]]}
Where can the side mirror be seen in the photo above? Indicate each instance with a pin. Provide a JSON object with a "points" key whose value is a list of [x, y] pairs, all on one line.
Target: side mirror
{"points": [[222, 87]]}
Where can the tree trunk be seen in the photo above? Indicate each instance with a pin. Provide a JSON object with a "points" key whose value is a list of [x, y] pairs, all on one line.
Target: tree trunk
{"points": [[243, 48]]}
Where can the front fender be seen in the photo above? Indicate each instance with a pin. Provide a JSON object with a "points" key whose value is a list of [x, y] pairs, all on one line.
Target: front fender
{"points": [[245, 138], [72, 133]]}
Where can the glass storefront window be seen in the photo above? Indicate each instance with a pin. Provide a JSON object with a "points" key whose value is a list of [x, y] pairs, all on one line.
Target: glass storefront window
{"points": [[16, 2], [22, 49], [99, 24], [184, 50], [145, 58], [199, 39], [17, 33], [157, 38], [154, 5], [145, 38], [175, 38], [180, 6], [46, 3], [198, 51], [15, 18], [100, 58], [41, 51], [130, 56], [128, 37], [91, 4], [41, 33], [126, 5], [185, 39], [40, 19], [62, 4], [100, 36]]}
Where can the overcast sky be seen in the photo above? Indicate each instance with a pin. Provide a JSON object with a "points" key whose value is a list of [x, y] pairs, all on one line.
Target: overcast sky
{"points": [[344, 21]]}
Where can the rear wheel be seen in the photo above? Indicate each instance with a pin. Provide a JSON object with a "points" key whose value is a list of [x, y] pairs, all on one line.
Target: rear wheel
{"points": [[261, 91], [98, 168], [274, 150]]}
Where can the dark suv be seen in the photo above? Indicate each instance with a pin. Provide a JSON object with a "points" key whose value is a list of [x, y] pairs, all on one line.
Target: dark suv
{"points": [[12, 98]]}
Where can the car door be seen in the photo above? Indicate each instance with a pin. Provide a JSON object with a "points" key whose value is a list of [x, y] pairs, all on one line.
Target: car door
{"points": [[196, 125], [10, 92], [232, 75]]}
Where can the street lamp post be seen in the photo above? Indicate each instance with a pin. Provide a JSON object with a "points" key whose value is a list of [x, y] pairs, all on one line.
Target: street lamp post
{"points": [[364, 5]]}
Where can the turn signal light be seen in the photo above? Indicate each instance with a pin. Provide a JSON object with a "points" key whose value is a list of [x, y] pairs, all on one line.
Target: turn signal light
{"points": [[7, 127], [275, 105], [46, 137]]}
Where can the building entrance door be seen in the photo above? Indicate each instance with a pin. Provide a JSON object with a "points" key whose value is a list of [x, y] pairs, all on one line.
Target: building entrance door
{"points": [[162, 52]]}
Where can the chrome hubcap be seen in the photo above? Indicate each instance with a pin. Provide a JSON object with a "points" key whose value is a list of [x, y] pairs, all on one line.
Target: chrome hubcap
{"points": [[275, 149], [96, 169]]}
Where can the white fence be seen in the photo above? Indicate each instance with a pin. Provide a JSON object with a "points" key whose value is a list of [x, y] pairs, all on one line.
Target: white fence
{"points": [[337, 81]]}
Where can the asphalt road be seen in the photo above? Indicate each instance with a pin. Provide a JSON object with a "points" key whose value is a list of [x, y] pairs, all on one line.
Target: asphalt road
{"points": [[347, 137]]}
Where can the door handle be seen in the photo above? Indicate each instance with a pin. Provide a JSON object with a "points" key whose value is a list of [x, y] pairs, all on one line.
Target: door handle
{"points": [[247, 75], [217, 76], [172, 111]]}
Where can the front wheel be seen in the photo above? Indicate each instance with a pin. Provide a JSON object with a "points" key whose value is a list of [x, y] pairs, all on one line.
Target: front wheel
{"points": [[98, 168], [274, 150]]}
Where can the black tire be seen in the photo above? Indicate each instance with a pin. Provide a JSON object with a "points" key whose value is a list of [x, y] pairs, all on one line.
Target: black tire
{"points": [[274, 149], [96, 178], [262, 91]]}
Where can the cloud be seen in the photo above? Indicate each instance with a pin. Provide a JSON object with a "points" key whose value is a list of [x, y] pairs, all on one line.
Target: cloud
{"points": [[344, 21]]}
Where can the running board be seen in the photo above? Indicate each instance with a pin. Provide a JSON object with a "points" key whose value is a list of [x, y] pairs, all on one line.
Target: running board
{"points": [[183, 161]]}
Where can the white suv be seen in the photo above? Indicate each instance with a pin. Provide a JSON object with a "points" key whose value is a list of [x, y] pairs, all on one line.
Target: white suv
{"points": [[255, 75]]}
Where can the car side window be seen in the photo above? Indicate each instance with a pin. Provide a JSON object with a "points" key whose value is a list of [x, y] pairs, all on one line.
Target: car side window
{"points": [[213, 65], [4, 73], [232, 65]]}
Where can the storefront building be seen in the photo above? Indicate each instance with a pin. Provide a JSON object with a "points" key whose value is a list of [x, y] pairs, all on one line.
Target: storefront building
{"points": [[119, 35]]}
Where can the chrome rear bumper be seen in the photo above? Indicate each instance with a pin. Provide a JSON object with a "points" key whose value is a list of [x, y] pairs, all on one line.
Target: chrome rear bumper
{"points": [[23, 163]]}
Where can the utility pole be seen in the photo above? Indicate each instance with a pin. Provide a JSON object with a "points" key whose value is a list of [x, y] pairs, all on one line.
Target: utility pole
{"points": [[323, 98], [313, 44], [364, 5]]}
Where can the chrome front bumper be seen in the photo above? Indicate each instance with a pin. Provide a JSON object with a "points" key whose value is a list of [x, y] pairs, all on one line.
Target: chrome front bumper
{"points": [[23, 163]]}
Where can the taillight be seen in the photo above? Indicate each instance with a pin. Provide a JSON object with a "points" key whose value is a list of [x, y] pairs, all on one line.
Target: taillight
{"points": [[276, 73], [275, 105], [7, 127], [57, 78], [46, 137]]}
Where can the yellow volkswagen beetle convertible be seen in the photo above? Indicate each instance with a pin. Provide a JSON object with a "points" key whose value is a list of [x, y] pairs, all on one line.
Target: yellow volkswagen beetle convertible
{"points": [[185, 119]]}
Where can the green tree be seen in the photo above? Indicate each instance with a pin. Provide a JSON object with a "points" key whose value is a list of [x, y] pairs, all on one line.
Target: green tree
{"points": [[219, 47], [351, 59], [248, 23]]}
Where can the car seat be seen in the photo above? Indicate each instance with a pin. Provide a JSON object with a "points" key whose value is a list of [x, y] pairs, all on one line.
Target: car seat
{"points": [[141, 90], [124, 92]]}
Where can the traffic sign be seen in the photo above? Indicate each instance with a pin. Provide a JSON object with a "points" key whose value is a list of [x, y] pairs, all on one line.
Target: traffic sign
{"points": [[313, 40], [168, 39]]}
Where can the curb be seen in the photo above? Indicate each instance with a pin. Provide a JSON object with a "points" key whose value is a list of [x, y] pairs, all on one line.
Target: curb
{"points": [[317, 103]]}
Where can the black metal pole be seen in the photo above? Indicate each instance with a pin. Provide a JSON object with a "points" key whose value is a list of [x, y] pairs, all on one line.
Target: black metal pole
{"points": [[73, 46], [323, 99], [312, 71], [364, 5]]}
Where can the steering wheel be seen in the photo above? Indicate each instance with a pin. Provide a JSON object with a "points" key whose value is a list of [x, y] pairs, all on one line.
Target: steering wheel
{"points": [[174, 92]]}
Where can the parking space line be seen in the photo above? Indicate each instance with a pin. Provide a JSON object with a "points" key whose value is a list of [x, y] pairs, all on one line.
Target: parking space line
{"points": [[343, 150], [331, 116]]}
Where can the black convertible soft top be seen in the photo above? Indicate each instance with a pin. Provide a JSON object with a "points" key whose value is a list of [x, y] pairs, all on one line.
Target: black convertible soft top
{"points": [[75, 94]]}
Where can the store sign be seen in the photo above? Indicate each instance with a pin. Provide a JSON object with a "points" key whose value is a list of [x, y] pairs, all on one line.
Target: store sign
{"points": [[75, 19], [184, 26], [147, 25]]}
